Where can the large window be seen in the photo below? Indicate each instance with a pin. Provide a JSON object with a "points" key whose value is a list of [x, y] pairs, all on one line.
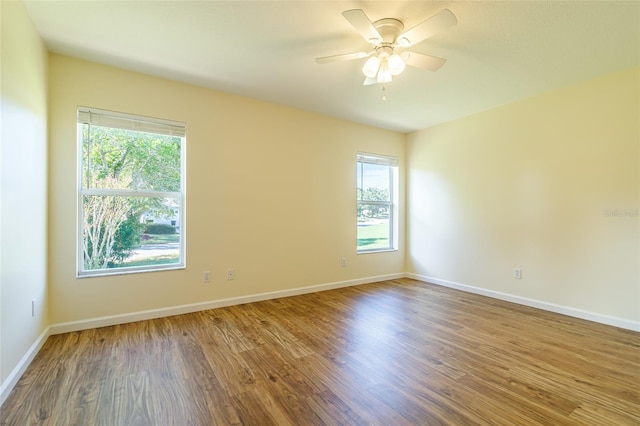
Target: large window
{"points": [[376, 180], [130, 193]]}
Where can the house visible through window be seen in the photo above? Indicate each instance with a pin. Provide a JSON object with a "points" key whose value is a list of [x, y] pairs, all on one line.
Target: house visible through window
{"points": [[131, 193], [376, 179]]}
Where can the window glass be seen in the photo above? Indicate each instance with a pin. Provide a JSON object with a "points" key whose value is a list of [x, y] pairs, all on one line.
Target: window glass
{"points": [[126, 159]]}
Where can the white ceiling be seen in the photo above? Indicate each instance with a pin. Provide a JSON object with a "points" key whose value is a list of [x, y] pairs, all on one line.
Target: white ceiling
{"points": [[498, 52]]}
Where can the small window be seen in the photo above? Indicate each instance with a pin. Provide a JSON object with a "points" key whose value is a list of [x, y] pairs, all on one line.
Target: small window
{"points": [[131, 193], [376, 180]]}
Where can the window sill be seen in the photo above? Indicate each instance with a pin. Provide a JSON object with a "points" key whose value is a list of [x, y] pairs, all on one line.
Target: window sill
{"points": [[123, 271], [377, 251]]}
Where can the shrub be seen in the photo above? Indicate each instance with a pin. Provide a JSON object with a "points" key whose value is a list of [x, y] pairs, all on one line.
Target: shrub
{"points": [[126, 238], [159, 228]]}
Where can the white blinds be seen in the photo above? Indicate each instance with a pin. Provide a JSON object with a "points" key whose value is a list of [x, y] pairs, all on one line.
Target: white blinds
{"points": [[382, 160], [118, 120]]}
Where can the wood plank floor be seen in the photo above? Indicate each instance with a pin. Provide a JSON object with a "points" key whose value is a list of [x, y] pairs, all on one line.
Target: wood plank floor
{"points": [[399, 352]]}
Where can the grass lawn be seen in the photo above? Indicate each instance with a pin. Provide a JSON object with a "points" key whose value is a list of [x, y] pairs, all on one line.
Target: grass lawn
{"points": [[371, 237], [156, 260], [160, 239]]}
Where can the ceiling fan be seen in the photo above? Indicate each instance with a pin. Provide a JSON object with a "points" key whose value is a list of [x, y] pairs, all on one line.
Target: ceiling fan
{"points": [[387, 58]]}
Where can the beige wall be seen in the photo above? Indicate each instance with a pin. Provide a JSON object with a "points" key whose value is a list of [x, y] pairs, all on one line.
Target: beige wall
{"points": [[23, 257], [270, 193], [549, 184]]}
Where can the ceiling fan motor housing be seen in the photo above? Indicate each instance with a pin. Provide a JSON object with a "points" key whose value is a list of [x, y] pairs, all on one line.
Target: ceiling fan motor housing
{"points": [[389, 29]]}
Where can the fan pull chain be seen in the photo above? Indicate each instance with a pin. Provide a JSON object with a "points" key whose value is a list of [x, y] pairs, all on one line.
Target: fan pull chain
{"points": [[384, 92]]}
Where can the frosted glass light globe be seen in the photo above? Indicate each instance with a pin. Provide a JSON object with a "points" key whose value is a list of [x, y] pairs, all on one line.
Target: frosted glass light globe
{"points": [[370, 68], [396, 64]]}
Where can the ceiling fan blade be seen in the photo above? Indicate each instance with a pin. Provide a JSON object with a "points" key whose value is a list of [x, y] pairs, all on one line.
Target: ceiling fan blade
{"points": [[432, 26], [343, 57], [368, 81], [359, 20], [420, 60]]}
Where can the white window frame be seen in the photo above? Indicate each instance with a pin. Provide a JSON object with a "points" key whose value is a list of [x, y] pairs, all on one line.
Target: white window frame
{"points": [[100, 117], [392, 204]]}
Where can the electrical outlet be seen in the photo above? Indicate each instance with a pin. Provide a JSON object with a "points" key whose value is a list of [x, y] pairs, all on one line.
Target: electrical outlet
{"points": [[33, 307], [517, 273], [231, 274], [206, 276], [343, 262]]}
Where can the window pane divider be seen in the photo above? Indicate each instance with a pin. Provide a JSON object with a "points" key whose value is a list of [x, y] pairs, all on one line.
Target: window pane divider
{"points": [[377, 203], [130, 193]]}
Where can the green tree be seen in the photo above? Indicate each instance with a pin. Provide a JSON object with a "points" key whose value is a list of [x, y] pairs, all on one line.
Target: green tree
{"points": [[103, 216], [145, 161], [371, 194], [117, 159]]}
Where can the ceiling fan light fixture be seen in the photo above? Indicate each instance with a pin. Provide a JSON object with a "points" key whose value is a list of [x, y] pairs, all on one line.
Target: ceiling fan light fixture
{"points": [[396, 64], [371, 67], [384, 75]]}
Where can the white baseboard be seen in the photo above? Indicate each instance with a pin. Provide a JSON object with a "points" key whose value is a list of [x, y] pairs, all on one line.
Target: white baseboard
{"points": [[8, 385], [202, 306], [552, 307]]}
